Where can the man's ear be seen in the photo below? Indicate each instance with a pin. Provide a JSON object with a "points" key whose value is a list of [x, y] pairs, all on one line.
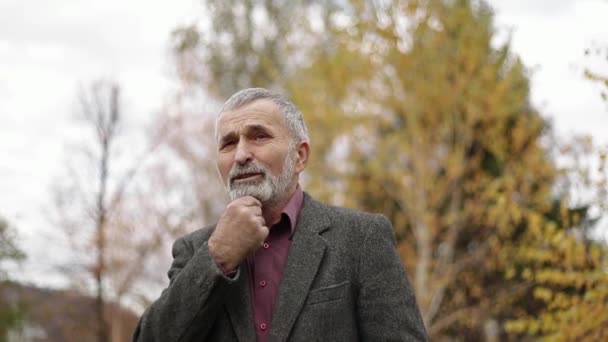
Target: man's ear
{"points": [[303, 152]]}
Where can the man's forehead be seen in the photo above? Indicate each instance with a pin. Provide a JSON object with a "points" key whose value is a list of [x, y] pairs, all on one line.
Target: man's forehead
{"points": [[260, 112]]}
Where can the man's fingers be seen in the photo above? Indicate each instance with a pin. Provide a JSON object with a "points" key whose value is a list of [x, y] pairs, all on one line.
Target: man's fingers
{"points": [[261, 221], [250, 201], [257, 211]]}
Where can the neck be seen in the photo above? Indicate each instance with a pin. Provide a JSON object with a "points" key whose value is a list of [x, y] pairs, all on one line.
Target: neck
{"points": [[272, 212]]}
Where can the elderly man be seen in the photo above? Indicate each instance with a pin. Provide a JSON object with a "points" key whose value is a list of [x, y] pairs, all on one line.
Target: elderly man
{"points": [[278, 265]]}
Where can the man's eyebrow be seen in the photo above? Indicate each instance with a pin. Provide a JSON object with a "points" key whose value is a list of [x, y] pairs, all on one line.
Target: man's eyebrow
{"points": [[249, 129], [256, 128], [227, 137]]}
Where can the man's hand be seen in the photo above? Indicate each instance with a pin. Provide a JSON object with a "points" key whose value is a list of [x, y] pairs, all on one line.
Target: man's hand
{"points": [[241, 230]]}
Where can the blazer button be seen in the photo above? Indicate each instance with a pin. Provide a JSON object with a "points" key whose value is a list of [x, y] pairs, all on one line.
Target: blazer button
{"points": [[266, 245], [263, 283], [263, 326]]}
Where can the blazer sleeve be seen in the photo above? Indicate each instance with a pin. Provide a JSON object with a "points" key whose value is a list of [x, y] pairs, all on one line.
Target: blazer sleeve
{"points": [[386, 305], [188, 307]]}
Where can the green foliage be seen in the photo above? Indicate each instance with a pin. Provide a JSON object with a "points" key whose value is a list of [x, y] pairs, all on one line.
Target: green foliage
{"points": [[415, 113], [10, 313], [8, 246]]}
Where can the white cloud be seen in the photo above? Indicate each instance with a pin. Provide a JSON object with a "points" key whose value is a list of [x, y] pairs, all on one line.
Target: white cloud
{"points": [[551, 37]]}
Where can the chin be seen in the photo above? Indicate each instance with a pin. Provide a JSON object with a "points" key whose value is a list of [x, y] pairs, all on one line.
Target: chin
{"points": [[261, 193]]}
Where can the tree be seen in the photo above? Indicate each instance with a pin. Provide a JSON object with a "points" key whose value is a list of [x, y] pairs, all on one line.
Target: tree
{"points": [[117, 209], [572, 277], [10, 312], [9, 251], [447, 152], [414, 112], [597, 76]]}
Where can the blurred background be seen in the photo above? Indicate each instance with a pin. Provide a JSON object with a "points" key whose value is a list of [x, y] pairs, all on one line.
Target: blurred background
{"points": [[477, 127]]}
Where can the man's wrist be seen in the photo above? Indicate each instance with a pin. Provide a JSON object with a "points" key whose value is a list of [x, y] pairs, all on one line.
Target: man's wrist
{"points": [[228, 272], [225, 267]]}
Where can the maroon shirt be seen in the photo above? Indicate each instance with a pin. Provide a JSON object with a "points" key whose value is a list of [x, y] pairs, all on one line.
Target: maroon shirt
{"points": [[267, 265]]}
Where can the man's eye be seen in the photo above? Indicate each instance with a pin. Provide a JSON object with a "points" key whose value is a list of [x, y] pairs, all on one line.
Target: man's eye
{"points": [[227, 144], [261, 136]]}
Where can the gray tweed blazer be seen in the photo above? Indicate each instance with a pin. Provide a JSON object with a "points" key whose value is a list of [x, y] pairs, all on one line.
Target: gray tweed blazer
{"points": [[343, 281]]}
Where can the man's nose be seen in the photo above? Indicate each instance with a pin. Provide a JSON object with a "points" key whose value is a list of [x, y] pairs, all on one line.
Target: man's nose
{"points": [[243, 153]]}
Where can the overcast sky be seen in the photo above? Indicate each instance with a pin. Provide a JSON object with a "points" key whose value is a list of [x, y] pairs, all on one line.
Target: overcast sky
{"points": [[49, 48]]}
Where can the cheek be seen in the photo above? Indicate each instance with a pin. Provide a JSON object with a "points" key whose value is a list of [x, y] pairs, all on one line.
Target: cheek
{"points": [[223, 166], [278, 162]]}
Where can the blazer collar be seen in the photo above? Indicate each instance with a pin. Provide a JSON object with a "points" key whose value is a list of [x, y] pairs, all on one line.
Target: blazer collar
{"points": [[305, 255]]}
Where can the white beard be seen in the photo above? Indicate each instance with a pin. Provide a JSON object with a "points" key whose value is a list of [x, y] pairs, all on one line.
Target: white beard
{"points": [[271, 188]]}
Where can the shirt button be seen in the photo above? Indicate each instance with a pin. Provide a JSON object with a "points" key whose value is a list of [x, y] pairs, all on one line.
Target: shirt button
{"points": [[266, 245], [263, 326], [263, 283]]}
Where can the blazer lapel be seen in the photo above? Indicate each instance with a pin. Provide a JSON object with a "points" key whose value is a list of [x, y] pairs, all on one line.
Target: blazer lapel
{"points": [[305, 255], [238, 305]]}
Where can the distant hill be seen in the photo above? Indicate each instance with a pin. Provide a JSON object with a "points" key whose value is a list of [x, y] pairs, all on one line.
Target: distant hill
{"points": [[61, 315]]}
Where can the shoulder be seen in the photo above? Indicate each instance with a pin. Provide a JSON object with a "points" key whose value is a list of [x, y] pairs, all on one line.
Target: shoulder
{"points": [[353, 216], [354, 222], [362, 222]]}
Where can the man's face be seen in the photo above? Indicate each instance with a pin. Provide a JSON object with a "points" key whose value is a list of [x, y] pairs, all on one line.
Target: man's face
{"points": [[256, 156]]}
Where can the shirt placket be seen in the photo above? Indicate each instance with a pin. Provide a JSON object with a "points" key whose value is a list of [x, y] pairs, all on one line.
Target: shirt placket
{"points": [[264, 283]]}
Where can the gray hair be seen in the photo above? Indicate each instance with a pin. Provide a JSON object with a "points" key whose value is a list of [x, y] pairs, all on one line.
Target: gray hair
{"points": [[293, 117]]}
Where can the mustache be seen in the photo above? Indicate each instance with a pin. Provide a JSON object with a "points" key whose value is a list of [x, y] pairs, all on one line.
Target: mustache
{"points": [[240, 170]]}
